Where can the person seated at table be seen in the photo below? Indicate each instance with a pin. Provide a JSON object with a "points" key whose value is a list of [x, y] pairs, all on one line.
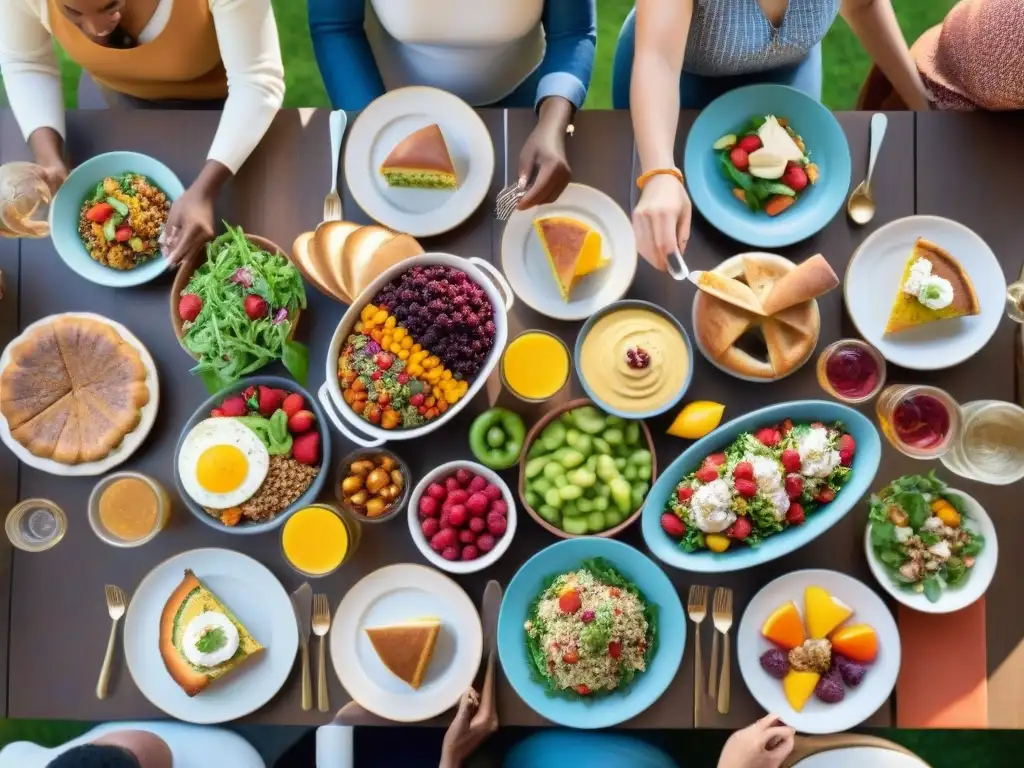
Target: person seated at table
{"points": [[689, 52], [972, 60], [172, 54], [507, 53], [152, 744]]}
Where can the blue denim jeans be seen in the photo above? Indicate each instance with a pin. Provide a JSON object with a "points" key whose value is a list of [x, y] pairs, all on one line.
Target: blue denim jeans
{"points": [[697, 91]]}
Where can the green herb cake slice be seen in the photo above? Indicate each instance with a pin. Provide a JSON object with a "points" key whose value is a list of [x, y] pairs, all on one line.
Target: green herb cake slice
{"points": [[420, 160], [200, 639]]}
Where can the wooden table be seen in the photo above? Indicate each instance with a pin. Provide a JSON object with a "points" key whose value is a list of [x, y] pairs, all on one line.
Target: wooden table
{"points": [[56, 624]]}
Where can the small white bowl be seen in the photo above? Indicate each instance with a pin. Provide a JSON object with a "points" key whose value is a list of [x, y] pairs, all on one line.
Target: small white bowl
{"points": [[953, 598], [460, 566]]}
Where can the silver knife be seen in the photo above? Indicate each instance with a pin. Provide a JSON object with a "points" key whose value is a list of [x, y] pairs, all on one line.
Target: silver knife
{"points": [[695, 276], [302, 602], [489, 616]]}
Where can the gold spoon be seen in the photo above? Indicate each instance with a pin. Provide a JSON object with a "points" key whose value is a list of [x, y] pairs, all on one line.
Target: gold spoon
{"points": [[861, 205]]}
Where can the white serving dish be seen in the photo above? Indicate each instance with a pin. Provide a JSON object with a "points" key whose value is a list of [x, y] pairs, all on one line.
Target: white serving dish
{"points": [[413, 515], [369, 435]]}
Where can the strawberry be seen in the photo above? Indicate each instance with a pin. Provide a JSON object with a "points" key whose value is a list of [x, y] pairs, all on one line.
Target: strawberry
{"points": [[743, 471], [249, 392], [292, 404], [825, 495], [768, 436], [846, 458], [684, 494], [255, 307], [216, 413], [795, 514], [790, 460], [740, 158], [847, 447], [383, 360], [569, 601], [301, 421], [123, 233], [740, 529], [234, 406], [750, 143], [673, 526], [189, 307], [746, 488], [794, 486], [795, 178], [715, 460], [269, 400], [306, 448], [706, 474]]}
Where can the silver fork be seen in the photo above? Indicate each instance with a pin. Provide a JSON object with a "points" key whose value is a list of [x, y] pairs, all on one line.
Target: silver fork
{"points": [[117, 603], [722, 617], [321, 625], [332, 203], [508, 198], [697, 610]]}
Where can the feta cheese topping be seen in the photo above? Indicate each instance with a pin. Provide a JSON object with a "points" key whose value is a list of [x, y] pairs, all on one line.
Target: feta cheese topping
{"points": [[776, 140], [780, 504], [930, 290], [933, 524], [817, 458], [710, 507], [903, 533], [941, 550], [767, 473]]}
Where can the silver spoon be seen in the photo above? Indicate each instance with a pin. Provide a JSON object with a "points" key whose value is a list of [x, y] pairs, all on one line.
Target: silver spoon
{"points": [[861, 205]]}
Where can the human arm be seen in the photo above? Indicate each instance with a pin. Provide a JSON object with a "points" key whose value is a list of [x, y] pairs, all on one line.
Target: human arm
{"points": [[661, 219], [343, 53], [32, 80], [763, 744], [874, 23]]}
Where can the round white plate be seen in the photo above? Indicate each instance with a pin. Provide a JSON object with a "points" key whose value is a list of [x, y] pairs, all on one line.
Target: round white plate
{"points": [[953, 598], [131, 441], [873, 279], [529, 273], [254, 595], [390, 595], [388, 120], [860, 702]]}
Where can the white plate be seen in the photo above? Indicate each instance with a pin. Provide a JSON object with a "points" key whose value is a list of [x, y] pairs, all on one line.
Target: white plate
{"points": [[860, 702], [394, 594], [953, 598], [388, 120], [529, 273], [873, 278], [131, 441], [254, 595]]}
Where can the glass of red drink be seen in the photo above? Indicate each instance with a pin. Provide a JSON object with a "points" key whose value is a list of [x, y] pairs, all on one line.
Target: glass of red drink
{"points": [[921, 421], [851, 370]]}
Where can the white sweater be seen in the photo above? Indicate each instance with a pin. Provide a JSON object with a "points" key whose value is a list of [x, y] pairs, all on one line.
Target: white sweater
{"points": [[249, 48]]}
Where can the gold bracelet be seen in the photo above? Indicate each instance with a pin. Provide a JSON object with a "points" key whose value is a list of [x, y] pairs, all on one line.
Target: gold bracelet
{"points": [[648, 175]]}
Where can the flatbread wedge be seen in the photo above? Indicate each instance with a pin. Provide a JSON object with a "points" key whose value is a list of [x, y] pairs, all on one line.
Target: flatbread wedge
{"points": [[407, 647], [731, 291], [808, 280]]}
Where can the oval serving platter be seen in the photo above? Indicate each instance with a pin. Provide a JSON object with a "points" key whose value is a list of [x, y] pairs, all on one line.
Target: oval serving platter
{"points": [[865, 465]]}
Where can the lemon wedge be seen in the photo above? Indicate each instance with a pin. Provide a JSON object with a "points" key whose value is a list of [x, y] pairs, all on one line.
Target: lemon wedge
{"points": [[697, 419]]}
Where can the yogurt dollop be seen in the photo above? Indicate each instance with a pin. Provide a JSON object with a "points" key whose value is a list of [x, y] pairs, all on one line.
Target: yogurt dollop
{"points": [[210, 639]]}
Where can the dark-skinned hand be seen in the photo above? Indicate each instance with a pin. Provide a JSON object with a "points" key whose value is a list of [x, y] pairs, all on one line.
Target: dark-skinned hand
{"points": [[190, 225], [543, 167]]}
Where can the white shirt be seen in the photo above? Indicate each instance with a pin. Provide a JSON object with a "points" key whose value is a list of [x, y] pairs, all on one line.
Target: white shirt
{"points": [[192, 746], [480, 50], [249, 48]]}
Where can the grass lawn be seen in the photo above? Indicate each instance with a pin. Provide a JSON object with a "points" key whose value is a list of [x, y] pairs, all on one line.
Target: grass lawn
{"points": [[845, 62]]}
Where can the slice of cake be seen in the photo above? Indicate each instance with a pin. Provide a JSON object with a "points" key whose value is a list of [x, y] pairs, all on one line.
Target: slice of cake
{"points": [[420, 160], [200, 639], [572, 248], [934, 287], [407, 647]]}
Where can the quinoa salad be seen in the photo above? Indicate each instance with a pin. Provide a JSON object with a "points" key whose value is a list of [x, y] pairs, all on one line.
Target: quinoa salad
{"points": [[120, 223], [590, 632]]}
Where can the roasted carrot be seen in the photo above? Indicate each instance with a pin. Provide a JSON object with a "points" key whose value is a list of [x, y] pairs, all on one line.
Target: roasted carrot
{"points": [[776, 204], [740, 195]]}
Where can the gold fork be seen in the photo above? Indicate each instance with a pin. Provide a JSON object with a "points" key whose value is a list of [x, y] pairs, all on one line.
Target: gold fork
{"points": [[117, 603], [321, 624], [722, 616], [697, 610]]}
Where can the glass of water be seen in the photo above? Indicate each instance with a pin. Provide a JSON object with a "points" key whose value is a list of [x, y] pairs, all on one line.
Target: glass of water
{"points": [[35, 525], [990, 446]]}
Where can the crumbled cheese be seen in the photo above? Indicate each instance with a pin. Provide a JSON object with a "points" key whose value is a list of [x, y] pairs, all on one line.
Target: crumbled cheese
{"points": [[932, 524], [941, 550], [817, 457], [903, 533], [710, 507]]}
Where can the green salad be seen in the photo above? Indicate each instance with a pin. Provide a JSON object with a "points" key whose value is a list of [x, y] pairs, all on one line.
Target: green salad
{"points": [[590, 632], [238, 311], [919, 532]]}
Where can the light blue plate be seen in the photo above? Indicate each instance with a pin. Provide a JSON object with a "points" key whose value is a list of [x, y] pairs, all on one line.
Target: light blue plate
{"points": [[610, 709], [865, 465], [711, 192], [67, 204]]}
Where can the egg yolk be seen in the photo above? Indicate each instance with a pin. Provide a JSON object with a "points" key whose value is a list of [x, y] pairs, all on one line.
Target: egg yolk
{"points": [[221, 468]]}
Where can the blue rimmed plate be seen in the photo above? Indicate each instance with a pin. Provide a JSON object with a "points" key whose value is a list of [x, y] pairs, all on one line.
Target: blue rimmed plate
{"points": [[613, 708], [865, 465]]}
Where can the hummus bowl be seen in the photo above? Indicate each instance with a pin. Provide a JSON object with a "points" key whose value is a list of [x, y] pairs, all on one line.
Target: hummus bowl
{"points": [[865, 465], [370, 435], [634, 359]]}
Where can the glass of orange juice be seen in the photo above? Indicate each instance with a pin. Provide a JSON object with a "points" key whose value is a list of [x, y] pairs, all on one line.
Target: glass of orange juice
{"points": [[535, 366], [316, 540]]}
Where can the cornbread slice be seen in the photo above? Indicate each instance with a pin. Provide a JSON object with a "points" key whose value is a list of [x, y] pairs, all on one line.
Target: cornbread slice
{"points": [[420, 160], [572, 248], [407, 647]]}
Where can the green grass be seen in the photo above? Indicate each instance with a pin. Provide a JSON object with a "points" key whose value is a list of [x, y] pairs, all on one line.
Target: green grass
{"points": [[845, 62]]}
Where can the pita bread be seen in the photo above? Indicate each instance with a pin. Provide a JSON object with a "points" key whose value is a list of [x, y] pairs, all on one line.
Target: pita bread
{"points": [[721, 324], [331, 237], [305, 260], [729, 290], [761, 270], [788, 349], [806, 281], [365, 265]]}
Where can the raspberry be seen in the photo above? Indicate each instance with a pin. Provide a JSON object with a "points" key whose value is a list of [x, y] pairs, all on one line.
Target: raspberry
{"points": [[436, 491], [442, 539], [847, 443], [795, 514], [429, 506], [458, 515], [477, 525], [768, 436], [794, 486], [492, 492], [846, 457], [470, 552], [477, 504], [707, 474], [458, 496], [466, 536], [464, 476], [451, 484], [791, 460], [430, 526], [477, 484], [499, 506], [746, 488], [825, 495], [450, 553], [673, 526], [743, 471], [485, 542], [715, 460], [496, 524], [740, 529], [684, 494]]}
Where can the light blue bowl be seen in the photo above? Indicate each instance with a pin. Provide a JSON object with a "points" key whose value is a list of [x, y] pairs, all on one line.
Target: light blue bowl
{"points": [[633, 304], [865, 465], [610, 709], [711, 192], [67, 204]]}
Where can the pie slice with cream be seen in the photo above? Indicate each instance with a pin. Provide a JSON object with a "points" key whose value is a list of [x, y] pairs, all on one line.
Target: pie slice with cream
{"points": [[934, 287], [407, 647], [572, 248]]}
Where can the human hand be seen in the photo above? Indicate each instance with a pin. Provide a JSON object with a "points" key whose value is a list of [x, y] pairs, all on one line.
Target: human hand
{"points": [[189, 226], [765, 744], [468, 730], [48, 150], [543, 165], [54, 173], [661, 219]]}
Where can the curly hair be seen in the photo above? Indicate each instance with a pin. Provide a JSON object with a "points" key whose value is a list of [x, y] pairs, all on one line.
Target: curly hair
{"points": [[95, 756]]}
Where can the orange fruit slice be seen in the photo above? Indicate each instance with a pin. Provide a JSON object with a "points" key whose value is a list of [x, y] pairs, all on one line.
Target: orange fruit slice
{"points": [[785, 627], [697, 419], [824, 612], [858, 642], [798, 687]]}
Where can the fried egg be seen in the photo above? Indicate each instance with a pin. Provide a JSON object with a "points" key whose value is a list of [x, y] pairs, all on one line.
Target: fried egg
{"points": [[222, 463]]}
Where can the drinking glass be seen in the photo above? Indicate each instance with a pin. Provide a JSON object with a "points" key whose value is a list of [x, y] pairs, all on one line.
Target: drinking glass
{"points": [[852, 370], [23, 193], [35, 525], [918, 420], [1015, 301], [990, 445]]}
